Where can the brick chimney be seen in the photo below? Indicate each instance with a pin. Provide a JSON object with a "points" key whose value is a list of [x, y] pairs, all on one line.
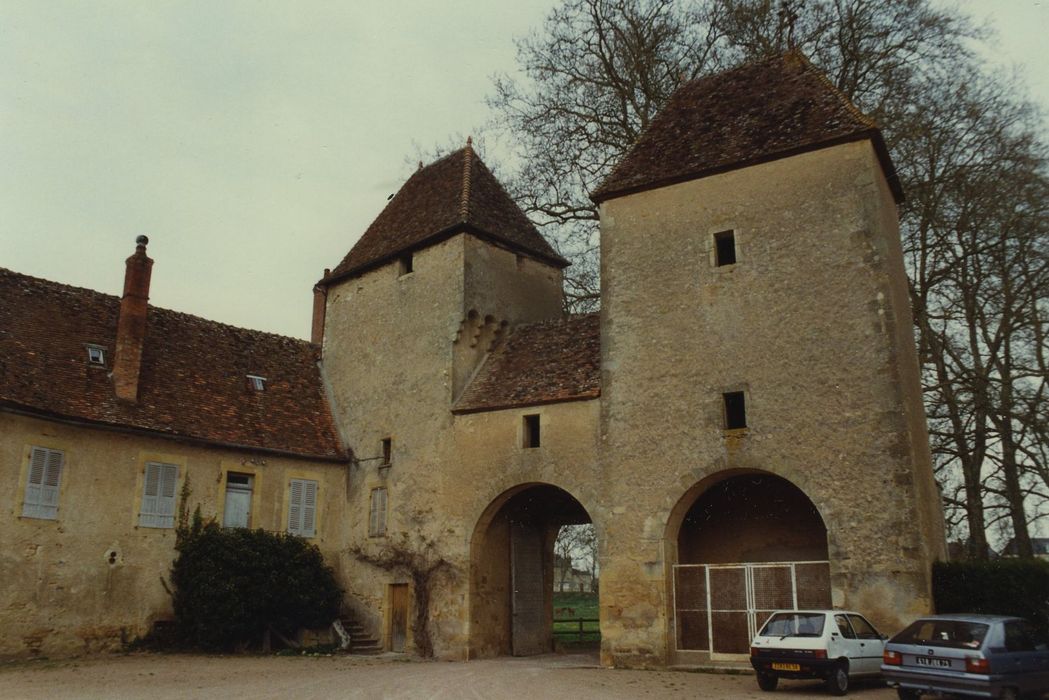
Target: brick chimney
{"points": [[131, 326], [320, 298]]}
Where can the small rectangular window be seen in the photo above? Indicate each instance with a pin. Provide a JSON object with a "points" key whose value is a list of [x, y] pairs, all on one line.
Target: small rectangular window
{"points": [[41, 488], [158, 495], [735, 410], [406, 264], [237, 511], [387, 451], [531, 431], [96, 355], [377, 513], [256, 383], [302, 507], [725, 248]]}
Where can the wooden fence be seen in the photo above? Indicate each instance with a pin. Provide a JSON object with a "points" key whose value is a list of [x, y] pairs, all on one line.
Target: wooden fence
{"points": [[579, 633]]}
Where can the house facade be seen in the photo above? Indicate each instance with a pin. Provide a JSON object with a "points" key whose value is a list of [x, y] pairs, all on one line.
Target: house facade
{"points": [[741, 423]]}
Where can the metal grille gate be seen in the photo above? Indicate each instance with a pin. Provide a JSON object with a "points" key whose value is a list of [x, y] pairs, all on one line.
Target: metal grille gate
{"points": [[719, 608]]}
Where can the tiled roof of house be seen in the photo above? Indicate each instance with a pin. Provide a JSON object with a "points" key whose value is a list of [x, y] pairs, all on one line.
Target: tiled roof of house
{"points": [[539, 363], [193, 379], [757, 112], [456, 193]]}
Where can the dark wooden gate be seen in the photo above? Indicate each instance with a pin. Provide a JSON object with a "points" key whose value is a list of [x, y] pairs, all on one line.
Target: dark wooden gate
{"points": [[528, 600]]}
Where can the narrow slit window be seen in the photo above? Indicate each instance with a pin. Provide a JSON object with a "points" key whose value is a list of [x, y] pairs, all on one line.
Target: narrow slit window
{"points": [[407, 263], [531, 430], [725, 248], [387, 451], [735, 410]]}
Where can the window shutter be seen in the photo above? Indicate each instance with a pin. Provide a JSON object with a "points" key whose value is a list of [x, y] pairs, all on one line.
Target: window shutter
{"points": [[373, 514], [382, 511], [377, 514], [309, 509], [158, 495], [166, 497], [295, 508], [45, 475], [149, 495]]}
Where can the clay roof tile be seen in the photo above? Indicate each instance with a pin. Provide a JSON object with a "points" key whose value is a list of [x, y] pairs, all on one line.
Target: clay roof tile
{"points": [[193, 381], [547, 362], [454, 194], [751, 114]]}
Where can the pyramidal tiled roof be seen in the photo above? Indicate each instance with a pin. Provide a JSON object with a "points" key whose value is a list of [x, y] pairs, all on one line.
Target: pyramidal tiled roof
{"points": [[193, 381], [456, 193], [755, 113]]}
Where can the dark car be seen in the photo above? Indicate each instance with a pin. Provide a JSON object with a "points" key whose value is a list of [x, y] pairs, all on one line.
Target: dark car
{"points": [[983, 656]]}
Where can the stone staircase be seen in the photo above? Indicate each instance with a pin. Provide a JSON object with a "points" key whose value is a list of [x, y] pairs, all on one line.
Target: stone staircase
{"points": [[360, 642]]}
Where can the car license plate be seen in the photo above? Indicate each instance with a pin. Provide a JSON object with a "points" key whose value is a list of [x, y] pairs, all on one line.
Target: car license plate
{"points": [[926, 661], [786, 667]]}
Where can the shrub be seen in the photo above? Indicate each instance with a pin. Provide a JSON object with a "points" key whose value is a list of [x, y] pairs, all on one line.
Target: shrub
{"points": [[1002, 587], [232, 585]]}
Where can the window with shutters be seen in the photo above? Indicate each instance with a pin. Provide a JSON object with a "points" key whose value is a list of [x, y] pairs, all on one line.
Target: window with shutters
{"points": [[42, 482], [159, 490], [302, 507], [377, 514]]}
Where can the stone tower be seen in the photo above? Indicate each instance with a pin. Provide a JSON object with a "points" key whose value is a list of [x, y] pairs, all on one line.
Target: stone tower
{"points": [[757, 354], [440, 276]]}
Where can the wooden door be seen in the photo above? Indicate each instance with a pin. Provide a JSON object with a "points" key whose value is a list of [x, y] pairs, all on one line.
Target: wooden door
{"points": [[398, 616], [527, 599]]}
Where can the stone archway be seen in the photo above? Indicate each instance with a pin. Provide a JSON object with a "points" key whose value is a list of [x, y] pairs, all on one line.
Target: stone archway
{"points": [[740, 545], [511, 569]]}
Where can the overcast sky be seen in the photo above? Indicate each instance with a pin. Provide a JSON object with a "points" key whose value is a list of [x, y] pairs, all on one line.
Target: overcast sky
{"points": [[254, 141]]}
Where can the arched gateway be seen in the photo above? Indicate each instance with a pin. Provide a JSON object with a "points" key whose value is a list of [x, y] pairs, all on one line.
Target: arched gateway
{"points": [[512, 569], [743, 545]]}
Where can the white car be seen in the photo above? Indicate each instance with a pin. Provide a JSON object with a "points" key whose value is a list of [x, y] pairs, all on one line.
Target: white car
{"points": [[835, 645]]}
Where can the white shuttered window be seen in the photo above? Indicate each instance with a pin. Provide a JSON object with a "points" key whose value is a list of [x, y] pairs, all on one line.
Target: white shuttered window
{"points": [[41, 488], [302, 508], [158, 495], [377, 516]]}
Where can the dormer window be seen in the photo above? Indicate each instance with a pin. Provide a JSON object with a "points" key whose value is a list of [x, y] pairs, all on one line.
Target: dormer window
{"points": [[256, 383], [96, 355]]}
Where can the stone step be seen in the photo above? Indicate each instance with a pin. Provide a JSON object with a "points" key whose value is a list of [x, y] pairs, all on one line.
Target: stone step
{"points": [[361, 641]]}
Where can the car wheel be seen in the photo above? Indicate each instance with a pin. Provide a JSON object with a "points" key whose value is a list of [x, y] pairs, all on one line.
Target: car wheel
{"points": [[768, 681], [1008, 694], [838, 680], [908, 694]]}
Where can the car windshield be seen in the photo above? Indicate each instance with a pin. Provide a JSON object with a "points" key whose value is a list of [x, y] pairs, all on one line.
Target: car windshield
{"points": [[794, 625], [955, 634]]}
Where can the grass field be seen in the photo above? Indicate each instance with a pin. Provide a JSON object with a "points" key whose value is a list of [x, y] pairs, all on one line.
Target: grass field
{"points": [[583, 606]]}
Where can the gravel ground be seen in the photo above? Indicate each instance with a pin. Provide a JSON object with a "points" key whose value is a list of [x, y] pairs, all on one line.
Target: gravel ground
{"points": [[159, 677]]}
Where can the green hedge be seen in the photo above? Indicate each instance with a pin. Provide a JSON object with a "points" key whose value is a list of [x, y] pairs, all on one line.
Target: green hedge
{"points": [[230, 585], [1002, 587]]}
